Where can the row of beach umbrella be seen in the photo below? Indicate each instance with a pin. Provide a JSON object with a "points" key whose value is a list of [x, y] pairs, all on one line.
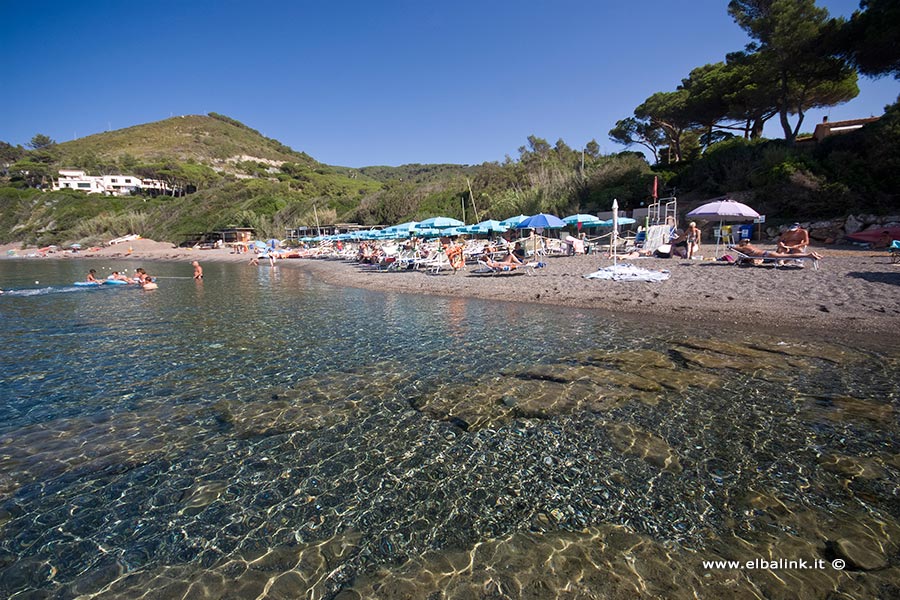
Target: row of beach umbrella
{"points": [[446, 226]]}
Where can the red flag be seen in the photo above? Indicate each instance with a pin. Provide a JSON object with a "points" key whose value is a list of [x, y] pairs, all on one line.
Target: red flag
{"points": [[655, 185]]}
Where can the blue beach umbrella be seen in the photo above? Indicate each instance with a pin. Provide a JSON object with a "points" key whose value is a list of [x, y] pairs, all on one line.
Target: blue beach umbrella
{"points": [[403, 228], [439, 223], [589, 220], [491, 226], [621, 221], [513, 221], [428, 232], [541, 221]]}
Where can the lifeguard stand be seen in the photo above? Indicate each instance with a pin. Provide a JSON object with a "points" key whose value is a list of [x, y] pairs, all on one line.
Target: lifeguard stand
{"points": [[662, 215]]}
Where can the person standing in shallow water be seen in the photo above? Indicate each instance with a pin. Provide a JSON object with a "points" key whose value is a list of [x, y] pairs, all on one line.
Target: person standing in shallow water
{"points": [[198, 270]]}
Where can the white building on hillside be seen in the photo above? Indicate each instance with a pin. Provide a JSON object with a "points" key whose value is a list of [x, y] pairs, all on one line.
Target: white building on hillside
{"points": [[112, 185]]}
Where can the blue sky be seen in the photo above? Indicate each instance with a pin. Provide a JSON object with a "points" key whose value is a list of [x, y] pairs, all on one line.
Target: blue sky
{"points": [[369, 82]]}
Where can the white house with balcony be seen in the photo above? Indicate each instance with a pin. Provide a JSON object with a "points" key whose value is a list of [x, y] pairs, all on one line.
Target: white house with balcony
{"points": [[112, 185]]}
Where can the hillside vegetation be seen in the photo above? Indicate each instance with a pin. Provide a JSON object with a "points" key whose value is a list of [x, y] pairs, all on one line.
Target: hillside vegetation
{"points": [[214, 140], [280, 188]]}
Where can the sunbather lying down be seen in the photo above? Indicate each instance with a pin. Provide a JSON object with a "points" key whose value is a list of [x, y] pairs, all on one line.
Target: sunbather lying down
{"points": [[507, 265], [746, 248]]}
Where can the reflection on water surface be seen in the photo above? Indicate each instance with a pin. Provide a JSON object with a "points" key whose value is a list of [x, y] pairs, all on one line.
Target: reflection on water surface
{"points": [[263, 435]]}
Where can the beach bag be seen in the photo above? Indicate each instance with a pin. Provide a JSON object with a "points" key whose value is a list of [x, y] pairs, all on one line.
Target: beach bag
{"points": [[664, 251], [727, 258]]}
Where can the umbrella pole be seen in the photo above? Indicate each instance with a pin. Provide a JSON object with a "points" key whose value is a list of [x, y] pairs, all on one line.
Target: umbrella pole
{"points": [[718, 239], [614, 241]]}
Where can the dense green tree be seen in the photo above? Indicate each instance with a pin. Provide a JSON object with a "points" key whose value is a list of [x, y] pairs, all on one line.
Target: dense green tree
{"points": [[10, 154], [40, 142], [751, 98], [631, 131], [729, 96], [870, 38], [30, 172], [669, 111], [537, 150], [794, 42]]}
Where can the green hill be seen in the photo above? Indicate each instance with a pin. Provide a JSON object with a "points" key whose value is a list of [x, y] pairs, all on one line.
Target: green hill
{"points": [[214, 140]]}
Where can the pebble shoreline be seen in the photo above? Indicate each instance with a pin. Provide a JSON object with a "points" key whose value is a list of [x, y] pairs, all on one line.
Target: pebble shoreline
{"points": [[855, 292]]}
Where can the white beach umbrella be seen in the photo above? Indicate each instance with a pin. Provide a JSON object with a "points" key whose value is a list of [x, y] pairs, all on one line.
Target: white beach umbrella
{"points": [[723, 210]]}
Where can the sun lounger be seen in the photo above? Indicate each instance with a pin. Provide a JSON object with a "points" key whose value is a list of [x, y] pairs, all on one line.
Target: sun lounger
{"points": [[747, 259], [495, 268], [895, 251]]}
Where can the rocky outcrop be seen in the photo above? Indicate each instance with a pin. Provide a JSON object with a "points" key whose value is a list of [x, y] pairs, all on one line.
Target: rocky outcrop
{"points": [[835, 231]]}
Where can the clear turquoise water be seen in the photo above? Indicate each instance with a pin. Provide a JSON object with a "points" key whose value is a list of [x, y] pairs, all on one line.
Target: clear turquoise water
{"points": [[261, 434]]}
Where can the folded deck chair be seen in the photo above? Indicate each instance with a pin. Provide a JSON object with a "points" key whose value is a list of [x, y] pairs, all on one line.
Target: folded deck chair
{"points": [[747, 259]]}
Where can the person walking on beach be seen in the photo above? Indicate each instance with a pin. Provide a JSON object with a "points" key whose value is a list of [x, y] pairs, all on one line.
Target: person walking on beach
{"points": [[693, 239], [198, 270]]}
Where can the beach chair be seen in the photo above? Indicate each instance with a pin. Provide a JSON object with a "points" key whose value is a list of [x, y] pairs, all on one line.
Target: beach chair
{"points": [[405, 260], [894, 249], [640, 239], [746, 259], [434, 264], [494, 268]]}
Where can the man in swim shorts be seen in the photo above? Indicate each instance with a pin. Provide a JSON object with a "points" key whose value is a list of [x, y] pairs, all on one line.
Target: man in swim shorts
{"points": [[198, 270], [753, 252]]}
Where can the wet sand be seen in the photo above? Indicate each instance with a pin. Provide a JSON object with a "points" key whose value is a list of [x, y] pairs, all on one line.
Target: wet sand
{"points": [[854, 292]]}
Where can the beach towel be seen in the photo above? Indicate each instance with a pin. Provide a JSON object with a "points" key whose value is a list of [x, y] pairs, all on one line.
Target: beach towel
{"points": [[626, 272]]}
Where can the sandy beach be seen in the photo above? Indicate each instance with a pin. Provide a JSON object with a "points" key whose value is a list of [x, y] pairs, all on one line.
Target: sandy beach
{"points": [[854, 291]]}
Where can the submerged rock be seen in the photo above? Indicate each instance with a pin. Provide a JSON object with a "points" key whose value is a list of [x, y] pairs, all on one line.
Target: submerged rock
{"points": [[860, 554], [633, 441]]}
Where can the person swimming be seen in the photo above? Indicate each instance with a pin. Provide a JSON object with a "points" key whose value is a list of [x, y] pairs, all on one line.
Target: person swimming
{"points": [[148, 282]]}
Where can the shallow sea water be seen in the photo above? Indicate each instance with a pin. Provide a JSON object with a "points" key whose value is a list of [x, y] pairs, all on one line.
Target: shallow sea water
{"points": [[263, 435]]}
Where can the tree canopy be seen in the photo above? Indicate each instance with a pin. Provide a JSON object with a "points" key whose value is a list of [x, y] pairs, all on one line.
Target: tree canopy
{"points": [[870, 38], [40, 142], [796, 61]]}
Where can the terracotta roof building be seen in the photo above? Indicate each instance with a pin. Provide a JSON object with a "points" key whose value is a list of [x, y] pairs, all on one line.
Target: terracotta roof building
{"points": [[826, 127]]}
